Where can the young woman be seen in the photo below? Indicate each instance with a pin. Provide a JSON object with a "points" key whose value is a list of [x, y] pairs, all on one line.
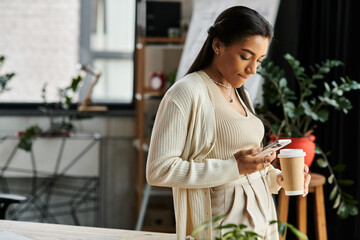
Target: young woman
{"points": [[206, 134]]}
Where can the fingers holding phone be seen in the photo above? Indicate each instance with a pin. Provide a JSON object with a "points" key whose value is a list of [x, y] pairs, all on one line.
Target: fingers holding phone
{"points": [[273, 147], [248, 161]]}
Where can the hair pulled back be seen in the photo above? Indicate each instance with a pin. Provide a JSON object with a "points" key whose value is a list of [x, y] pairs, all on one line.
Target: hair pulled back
{"points": [[234, 25]]}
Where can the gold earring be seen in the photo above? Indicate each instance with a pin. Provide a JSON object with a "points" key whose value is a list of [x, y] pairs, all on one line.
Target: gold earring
{"points": [[217, 52]]}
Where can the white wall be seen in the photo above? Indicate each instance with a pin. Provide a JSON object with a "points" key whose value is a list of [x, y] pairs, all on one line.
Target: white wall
{"points": [[38, 35]]}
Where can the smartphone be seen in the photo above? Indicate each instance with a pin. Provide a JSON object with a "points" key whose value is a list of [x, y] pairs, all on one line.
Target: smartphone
{"points": [[273, 147]]}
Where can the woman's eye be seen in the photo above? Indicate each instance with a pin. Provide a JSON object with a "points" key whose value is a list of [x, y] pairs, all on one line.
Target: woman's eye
{"points": [[244, 58]]}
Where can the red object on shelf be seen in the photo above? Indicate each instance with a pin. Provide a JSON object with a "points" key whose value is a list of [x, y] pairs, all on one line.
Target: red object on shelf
{"points": [[305, 143], [157, 80]]}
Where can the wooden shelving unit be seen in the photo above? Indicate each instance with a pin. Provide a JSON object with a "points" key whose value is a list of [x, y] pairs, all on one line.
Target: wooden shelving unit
{"points": [[143, 94]]}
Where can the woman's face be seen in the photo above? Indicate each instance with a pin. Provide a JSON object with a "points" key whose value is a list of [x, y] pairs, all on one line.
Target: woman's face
{"points": [[237, 62]]}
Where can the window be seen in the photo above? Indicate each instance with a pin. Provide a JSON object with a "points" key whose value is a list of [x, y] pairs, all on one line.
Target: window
{"points": [[109, 36], [43, 42]]}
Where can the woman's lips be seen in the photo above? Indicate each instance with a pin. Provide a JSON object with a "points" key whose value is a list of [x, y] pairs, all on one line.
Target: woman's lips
{"points": [[245, 78]]}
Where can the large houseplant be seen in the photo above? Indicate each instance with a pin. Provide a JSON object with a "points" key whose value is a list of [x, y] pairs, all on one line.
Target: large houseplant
{"points": [[298, 110]]}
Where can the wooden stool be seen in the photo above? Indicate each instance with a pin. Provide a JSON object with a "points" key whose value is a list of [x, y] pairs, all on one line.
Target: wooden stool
{"points": [[316, 186]]}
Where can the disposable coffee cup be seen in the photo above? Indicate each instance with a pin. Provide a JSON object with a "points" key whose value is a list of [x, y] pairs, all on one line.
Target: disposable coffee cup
{"points": [[292, 167]]}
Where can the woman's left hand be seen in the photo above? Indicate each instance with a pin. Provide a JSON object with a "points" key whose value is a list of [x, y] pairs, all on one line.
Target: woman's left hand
{"points": [[307, 177]]}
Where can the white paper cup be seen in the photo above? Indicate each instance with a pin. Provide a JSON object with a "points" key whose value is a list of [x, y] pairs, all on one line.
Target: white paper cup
{"points": [[292, 167]]}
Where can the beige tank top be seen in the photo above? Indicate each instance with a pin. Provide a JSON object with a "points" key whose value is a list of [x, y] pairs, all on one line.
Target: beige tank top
{"points": [[234, 131]]}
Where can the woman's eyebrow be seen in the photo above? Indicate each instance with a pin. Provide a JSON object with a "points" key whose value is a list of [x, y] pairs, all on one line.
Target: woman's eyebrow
{"points": [[251, 52]]}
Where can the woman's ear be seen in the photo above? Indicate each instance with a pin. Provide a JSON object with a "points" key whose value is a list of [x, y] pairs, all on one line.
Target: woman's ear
{"points": [[217, 46]]}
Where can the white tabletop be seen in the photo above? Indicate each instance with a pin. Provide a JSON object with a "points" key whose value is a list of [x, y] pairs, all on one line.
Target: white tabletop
{"points": [[45, 231]]}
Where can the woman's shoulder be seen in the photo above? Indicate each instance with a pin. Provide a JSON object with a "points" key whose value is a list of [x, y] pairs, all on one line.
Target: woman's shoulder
{"points": [[190, 86]]}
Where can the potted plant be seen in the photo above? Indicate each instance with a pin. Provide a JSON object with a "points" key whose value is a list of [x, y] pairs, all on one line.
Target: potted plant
{"points": [[60, 120], [4, 78], [299, 111]]}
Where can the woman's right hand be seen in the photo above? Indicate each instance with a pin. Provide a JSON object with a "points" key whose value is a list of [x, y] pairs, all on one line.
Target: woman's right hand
{"points": [[247, 162]]}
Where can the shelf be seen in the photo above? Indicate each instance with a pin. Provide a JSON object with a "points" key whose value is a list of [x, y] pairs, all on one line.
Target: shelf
{"points": [[152, 53], [148, 92], [164, 40], [166, 46]]}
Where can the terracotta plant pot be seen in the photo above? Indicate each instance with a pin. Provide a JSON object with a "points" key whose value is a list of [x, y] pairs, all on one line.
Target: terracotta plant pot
{"points": [[307, 144]]}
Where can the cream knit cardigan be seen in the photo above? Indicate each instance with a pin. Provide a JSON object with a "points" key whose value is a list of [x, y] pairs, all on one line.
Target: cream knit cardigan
{"points": [[182, 137]]}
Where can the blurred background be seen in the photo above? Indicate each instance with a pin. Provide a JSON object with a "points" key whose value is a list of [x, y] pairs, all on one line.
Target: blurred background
{"points": [[137, 46]]}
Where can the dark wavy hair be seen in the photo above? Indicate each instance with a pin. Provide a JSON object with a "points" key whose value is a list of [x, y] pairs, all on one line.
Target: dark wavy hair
{"points": [[234, 25]]}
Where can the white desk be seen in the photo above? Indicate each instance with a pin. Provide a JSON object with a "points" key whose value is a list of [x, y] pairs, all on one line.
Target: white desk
{"points": [[45, 231]]}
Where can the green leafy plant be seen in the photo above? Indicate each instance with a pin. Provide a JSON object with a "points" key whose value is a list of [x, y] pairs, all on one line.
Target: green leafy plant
{"points": [[300, 111], [344, 202], [240, 232], [4, 78], [60, 121], [28, 137]]}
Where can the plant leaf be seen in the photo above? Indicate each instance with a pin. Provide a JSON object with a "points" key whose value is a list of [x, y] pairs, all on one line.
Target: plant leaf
{"points": [[230, 225], [228, 235], [242, 226], [318, 150], [239, 236], [323, 115], [206, 225], [333, 193], [322, 163], [283, 83], [347, 195], [282, 228], [290, 109], [352, 210], [337, 201], [345, 182], [308, 111], [297, 232], [273, 221], [342, 211], [339, 168], [351, 201], [331, 179], [251, 234]]}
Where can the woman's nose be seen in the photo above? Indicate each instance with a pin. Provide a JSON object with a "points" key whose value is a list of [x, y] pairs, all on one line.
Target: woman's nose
{"points": [[251, 69]]}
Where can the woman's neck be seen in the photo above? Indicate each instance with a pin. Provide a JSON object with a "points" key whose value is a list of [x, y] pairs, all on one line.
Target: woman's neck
{"points": [[215, 75]]}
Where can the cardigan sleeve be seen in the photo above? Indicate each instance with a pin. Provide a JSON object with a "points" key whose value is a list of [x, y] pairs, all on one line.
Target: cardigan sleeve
{"points": [[166, 167]]}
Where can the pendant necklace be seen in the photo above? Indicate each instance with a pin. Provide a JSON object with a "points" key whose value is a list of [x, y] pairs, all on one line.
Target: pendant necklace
{"points": [[222, 85]]}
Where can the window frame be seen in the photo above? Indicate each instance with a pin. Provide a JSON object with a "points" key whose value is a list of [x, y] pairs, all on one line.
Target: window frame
{"points": [[24, 108]]}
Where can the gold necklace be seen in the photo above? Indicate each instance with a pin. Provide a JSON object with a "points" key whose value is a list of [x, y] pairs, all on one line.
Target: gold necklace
{"points": [[222, 85]]}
